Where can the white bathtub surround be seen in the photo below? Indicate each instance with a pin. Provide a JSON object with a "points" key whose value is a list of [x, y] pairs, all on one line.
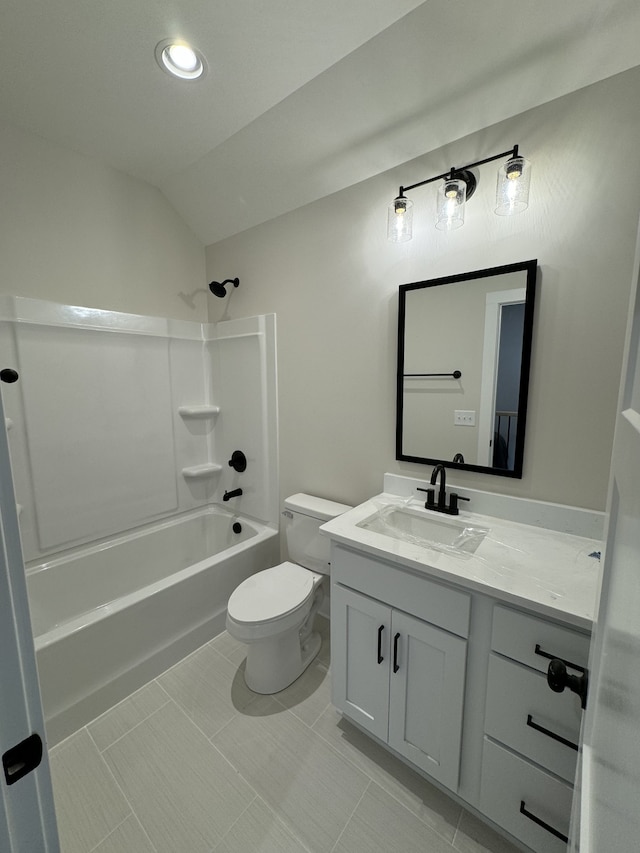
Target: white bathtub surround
{"points": [[112, 409], [121, 424], [108, 618]]}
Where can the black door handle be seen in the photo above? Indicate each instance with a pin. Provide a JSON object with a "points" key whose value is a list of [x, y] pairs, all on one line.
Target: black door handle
{"points": [[395, 653], [558, 678], [380, 630], [22, 759]]}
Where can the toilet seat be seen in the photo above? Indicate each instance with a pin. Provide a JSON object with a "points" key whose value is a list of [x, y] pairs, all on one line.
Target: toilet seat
{"points": [[272, 595]]}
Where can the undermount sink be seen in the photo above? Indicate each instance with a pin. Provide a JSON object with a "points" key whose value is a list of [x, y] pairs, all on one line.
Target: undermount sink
{"points": [[422, 528]]}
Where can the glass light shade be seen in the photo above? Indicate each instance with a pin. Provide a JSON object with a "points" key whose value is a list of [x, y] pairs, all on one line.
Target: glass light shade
{"points": [[512, 191], [400, 220], [452, 195]]}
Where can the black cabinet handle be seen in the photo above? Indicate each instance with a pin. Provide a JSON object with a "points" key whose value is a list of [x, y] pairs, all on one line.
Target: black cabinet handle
{"points": [[395, 653], [550, 734], [548, 656], [535, 819], [380, 630]]}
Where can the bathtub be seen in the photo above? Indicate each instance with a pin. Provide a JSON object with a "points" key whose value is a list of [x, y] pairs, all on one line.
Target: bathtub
{"points": [[108, 618]]}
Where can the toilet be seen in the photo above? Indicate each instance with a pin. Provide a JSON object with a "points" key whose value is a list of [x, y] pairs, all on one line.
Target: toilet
{"points": [[273, 611]]}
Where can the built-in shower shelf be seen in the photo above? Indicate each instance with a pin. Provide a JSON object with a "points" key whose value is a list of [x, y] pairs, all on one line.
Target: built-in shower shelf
{"points": [[8, 423], [199, 472], [198, 411]]}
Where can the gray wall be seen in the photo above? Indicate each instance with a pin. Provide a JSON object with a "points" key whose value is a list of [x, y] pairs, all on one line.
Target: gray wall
{"points": [[74, 231], [332, 279], [77, 232]]}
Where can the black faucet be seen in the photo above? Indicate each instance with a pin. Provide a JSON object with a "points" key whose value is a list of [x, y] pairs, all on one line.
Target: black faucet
{"points": [[441, 505], [234, 493], [442, 493]]}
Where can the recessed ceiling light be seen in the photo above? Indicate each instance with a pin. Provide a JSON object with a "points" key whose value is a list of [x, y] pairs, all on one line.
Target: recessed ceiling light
{"points": [[179, 59]]}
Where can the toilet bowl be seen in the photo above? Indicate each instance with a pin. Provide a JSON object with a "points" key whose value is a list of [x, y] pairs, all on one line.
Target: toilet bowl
{"points": [[273, 611]]}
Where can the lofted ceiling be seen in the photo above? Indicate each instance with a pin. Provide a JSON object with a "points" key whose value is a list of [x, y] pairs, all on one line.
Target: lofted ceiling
{"points": [[302, 97]]}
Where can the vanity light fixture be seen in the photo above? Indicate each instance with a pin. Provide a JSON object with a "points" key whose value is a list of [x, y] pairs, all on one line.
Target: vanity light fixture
{"points": [[457, 187], [180, 59]]}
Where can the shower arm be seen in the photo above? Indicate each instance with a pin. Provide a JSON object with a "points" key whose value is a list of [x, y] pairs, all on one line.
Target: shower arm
{"points": [[218, 287]]}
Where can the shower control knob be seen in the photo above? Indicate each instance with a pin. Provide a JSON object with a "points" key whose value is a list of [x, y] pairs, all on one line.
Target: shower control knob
{"points": [[8, 374], [238, 461]]}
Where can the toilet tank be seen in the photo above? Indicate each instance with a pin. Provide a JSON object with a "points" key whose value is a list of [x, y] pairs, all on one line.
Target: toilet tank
{"points": [[304, 514]]}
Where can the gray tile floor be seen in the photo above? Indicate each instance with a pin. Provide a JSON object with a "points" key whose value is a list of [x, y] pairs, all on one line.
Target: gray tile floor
{"points": [[194, 761]]}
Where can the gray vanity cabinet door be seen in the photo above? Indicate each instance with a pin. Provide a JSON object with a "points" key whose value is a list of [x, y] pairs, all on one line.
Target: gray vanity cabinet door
{"points": [[360, 629], [426, 697]]}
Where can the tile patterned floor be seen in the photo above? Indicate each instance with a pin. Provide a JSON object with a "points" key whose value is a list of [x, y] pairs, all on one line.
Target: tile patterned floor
{"points": [[195, 761]]}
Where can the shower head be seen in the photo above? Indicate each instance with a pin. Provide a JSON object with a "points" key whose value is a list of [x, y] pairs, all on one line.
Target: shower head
{"points": [[217, 287]]}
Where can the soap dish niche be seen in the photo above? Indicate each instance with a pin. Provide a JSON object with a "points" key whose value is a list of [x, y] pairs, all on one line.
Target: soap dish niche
{"points": [[197, 412], [201, 472]]}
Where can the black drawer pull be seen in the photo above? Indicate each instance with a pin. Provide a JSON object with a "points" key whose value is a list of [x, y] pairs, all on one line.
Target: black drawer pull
{"points": [[395, 653], [380, 630], [523, 810], [548, 656], [550, 734]]}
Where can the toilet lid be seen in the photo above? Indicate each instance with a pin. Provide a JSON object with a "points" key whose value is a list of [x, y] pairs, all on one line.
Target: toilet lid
{"points": [[271, 593]]}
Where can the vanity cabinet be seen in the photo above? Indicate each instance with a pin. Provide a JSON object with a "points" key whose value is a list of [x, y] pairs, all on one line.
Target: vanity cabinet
{"points": [[454, 681], [401, 677], [531, 733]]}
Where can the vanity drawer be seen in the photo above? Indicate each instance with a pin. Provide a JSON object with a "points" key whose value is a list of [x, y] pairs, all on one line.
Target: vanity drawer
{"points": [[526, 715], [517, 636], [417, 595], [516, 795]]}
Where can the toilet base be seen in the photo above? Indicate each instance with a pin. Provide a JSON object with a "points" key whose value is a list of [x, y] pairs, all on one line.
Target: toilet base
{"points": [[274, 664]]}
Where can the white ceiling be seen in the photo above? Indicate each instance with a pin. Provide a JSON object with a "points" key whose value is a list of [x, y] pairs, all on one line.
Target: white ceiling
{"points": [[303, 97]]}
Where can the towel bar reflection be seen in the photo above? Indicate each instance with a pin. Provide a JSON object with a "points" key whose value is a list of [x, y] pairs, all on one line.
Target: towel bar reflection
{"points": [[455, 375]]}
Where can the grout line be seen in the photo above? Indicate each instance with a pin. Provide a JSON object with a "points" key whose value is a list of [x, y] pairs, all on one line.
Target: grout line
{"points": [[351, 816], [380, 782], [115, 781], [146, 834], [129, 731], [164, 690], [121, 702], [285, 824], [242, 813], [110, 833], [192, 722], [137, 819], [124, 796], [455, 834]]}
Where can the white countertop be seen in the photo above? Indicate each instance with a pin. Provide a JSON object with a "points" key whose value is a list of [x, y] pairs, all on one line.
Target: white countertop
{"points": [[545, 571]]}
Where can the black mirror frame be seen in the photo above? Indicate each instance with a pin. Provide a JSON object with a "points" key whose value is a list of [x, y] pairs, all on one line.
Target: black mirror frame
{"points": [[531, 268]]}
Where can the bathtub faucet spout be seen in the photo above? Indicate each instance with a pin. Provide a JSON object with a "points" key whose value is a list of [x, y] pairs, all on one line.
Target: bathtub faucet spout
{"points": [[234, 493]]}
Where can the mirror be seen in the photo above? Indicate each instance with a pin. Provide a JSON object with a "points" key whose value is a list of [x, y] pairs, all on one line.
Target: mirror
{"points": [[464, 349]]}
